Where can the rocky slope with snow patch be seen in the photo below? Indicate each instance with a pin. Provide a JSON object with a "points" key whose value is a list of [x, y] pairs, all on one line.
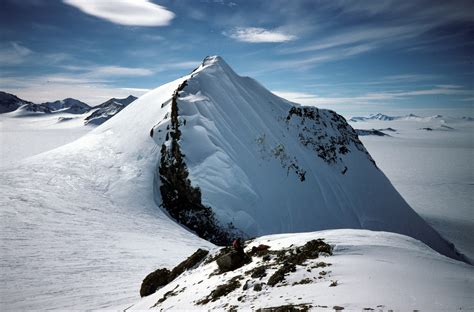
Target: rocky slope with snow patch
{"points": [[353, 270]]}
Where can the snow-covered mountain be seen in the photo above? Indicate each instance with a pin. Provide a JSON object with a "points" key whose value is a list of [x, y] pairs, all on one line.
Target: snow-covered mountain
{"points": [[99, 114], [68, 105], [10, 102], [409, 117], [266, 165], [81, 224], [107, 110]]}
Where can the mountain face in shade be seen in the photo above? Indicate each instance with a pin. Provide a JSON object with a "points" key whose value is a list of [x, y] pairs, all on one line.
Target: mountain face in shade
{"points": [[68, 105], [107, 110], [10, 102]]}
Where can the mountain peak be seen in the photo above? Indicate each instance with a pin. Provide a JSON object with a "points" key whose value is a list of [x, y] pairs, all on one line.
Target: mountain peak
{"points": [[213, 59]]}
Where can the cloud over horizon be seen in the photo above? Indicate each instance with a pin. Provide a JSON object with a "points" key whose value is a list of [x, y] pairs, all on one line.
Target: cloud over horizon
{"points": [[126, 12]]}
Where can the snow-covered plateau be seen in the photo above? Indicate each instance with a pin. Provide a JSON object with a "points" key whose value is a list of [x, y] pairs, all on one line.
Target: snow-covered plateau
{"points": [[81, 224]]}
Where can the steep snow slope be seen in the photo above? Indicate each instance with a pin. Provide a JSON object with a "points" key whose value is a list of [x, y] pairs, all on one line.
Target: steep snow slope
{"points": [[269, 166], [374, 271], [80, 228]]}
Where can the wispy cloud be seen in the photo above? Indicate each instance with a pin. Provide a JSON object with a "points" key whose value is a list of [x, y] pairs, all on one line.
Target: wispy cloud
{"points": [[358, 36], [258, 35], [367, 98], [126, 12], [306, 62], [13, 53], [119, 71]]}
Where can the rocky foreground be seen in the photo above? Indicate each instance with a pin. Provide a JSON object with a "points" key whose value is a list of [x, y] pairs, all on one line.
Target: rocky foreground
{"points": [[327, 270]]}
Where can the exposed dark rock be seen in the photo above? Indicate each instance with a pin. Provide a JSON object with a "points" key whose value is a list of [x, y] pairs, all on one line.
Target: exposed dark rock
{"points": [[189, 263], [287, 308], [232, 260], [313, 133], [153, 281], [257, 272], [162, 277], [304, 281], [297, 256], [257, 287], [180, 198], [259, 250], [222, 290], [279, 275]]}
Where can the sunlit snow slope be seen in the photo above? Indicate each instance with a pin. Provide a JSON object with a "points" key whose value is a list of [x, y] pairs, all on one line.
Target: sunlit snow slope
{"points": [[268, 168], [79, 226]]}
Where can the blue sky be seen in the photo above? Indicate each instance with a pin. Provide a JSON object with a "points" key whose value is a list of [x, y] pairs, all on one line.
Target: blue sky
{"points": [[351, 56]]}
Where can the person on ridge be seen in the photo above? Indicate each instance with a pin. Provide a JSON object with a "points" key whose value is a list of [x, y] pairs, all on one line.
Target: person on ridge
{"points": [[237, 245]]}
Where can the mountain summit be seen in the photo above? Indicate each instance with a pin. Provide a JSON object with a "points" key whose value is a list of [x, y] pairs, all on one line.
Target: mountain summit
{"points": [[238, 160]]}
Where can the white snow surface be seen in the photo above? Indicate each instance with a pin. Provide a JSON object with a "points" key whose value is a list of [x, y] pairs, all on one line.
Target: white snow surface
{"points": [[80, 226], [378, 270], [433, 170], [24, 134]]}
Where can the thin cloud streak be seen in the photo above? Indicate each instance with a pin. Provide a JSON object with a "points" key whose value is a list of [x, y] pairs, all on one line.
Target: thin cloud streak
{"points": [[258, 35], [315, 100]]}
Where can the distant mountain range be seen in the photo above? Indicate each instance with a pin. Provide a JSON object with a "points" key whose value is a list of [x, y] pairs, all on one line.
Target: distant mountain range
{"points": [[98, 114], [108, 109], [412, 117]]}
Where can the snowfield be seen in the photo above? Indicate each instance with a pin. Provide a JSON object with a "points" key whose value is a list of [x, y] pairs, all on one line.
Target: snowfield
{"points": [[374, 270], [24, 135], [433, 170], [80, 225]]}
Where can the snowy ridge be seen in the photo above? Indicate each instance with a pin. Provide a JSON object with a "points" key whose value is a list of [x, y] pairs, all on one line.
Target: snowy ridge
{"points": [[251, 158], [366, 271]]}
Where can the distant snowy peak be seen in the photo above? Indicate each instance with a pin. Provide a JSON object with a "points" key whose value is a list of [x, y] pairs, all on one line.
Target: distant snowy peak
{"points": [[409, 117], [107, 110], [68, 105], [100, 113], [378, 116], [124, 102], [10, 102]]}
